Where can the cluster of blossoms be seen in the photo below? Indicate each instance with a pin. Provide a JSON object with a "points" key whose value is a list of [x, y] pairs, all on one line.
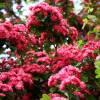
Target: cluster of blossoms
{"points": [[39, 57], [58, 63], [67, 54], [69, 51], [5, 28], [38, 68], [50, 22], [56, 96], [71, 75], [68, 75], [42, 57], [17, 79], [7, 64], [34, 68], [87, 50], [15, 34]]}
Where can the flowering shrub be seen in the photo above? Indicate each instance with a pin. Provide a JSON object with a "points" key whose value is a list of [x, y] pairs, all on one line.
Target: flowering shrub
{"points": [[47, 60], [50, 24]]}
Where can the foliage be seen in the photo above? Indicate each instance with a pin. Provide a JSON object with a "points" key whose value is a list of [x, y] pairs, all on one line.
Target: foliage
{"points": [[45, 97], [97, 71]]}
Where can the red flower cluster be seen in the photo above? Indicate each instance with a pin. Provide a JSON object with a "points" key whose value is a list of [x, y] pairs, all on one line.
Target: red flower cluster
{"points": [[88, 50], [44, 10], [73, 33], [77, 54], [34, 68], [56, 96], [37, 57], [7, 64], [14, 79], [5, 28], [44, 15], [15, 34], [67, 54], [38, 66], [77, 93], [67, 76]]}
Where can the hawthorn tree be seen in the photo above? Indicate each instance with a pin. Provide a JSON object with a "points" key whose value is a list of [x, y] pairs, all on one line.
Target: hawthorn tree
{"points": [[49, 57]]}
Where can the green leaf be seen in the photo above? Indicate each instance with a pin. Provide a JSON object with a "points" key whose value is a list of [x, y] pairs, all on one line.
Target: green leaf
{"points": [[97, 64], [2, 5], [97, 71], [52, 90], [90, 10], [80, 43], [45, 97], [97, 76], [85, 78], [92, 17]]}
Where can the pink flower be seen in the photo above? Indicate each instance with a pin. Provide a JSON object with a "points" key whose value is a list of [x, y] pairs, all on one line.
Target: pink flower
{"points": [[43, 60], [6, 88], [40, 54], [5, 29], [56, 96], [52, 81], [65, 77], [44, 10], [54, 18], [19, 86], [35, 68], [77, 93], [20, 28], [2, 95], [74, 33]]}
